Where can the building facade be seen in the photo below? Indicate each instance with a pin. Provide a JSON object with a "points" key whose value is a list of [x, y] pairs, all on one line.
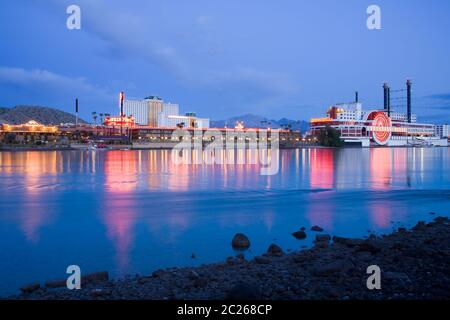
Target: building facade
{"points": [[139, 109], [172, 121], [154, 112], [442, 130]]}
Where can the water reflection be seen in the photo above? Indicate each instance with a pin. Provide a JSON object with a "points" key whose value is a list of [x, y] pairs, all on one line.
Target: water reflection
{"points": [[321, 163], [381, 168]]}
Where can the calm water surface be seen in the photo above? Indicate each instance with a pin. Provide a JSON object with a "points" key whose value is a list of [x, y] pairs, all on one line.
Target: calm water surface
{"points": [[136, 211]]}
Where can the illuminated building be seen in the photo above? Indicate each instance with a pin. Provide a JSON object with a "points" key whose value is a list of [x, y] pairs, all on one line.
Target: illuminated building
{"points": [[172, 121], [378, 127], [154, 112], [144, 111], [139, 110], [120, 121], [30, 131], [442, 130], [31, 126]]}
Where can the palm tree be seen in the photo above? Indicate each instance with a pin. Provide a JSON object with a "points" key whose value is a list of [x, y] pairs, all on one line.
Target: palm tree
{"points": [[94, 116], [101, 118]]}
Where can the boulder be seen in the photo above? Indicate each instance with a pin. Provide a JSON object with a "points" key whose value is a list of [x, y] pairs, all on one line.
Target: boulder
{"points": [[347, 241], [56, 284], [443, 220], [240, 241], [244, 291], [323, 237], [240, 256], [262, 260], [30, 288], [299, 235], [274, 251], [341, 266], [95, 277], [369, 246], [421, 225], [316, 228], [321, 244], [229, 260]]}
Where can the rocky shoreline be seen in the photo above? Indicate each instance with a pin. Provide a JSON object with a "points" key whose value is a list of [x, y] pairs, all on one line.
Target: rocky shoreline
{"points": [[415, 264]]}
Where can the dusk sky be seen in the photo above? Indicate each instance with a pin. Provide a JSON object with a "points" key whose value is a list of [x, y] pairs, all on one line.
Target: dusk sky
{"points": [[225, 58]]}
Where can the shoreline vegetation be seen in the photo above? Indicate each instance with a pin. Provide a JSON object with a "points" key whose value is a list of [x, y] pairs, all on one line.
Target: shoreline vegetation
{"points": [[414, 265]]}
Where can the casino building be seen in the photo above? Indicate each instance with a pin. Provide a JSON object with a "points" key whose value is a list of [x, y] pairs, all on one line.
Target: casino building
{"points": [[378, 127]]}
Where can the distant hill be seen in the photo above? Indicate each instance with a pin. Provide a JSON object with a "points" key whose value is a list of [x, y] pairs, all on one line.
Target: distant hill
{"points": [[2, 110], [43, 115], [254, 121]]}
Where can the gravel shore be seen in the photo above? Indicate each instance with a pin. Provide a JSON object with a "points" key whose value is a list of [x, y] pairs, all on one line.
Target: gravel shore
{"points": [[415, 264]]}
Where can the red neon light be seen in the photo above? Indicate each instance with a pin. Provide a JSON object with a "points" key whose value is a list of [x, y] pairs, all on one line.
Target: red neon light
{"points": [[382, 123]]}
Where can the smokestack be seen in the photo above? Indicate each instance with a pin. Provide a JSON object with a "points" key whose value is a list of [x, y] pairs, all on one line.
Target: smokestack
{"points": [[121, 98], [387, 98], [76, 111], [356, 97], [408, 99], [389, 101]]}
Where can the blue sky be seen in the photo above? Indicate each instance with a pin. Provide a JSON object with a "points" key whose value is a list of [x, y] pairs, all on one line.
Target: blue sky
{"points": [[225, 58]]}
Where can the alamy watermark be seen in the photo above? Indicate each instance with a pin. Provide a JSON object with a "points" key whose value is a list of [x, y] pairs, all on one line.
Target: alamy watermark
{"points": [[374, 20], [374, 280], [73, 22], [74, 280], [216, 147]]}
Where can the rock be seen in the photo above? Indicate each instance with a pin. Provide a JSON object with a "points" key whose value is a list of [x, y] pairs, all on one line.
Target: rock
{"points": [[244, 291], [321, 244], [240, 256], [230, 260], [158, 273], [30, 288], [420, 225], [240, 241], [143, 280], [316, 228], [56, 284], [99, 292], [193, 275], [369, 246], [200, 282], [274, 251], [262, 260], [299, 235], [323, 237], [443, 220], [95, 277], [397, 276], [334, 267], [302, 229], [347, 241]]}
